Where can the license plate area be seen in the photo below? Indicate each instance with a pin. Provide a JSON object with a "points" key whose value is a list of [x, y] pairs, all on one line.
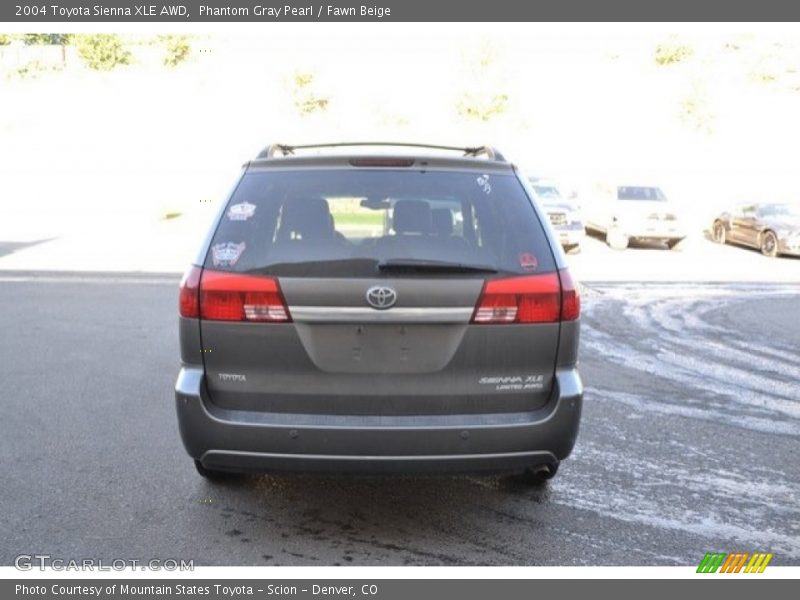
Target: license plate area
{"points": [[380, 347]]}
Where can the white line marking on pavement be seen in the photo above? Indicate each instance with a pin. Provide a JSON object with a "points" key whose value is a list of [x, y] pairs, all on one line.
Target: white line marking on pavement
{"points": [[89, 279]]}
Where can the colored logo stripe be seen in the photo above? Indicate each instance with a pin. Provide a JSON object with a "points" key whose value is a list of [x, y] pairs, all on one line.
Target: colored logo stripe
{"points": [[711, 562], [758, 563], [733, 563]]}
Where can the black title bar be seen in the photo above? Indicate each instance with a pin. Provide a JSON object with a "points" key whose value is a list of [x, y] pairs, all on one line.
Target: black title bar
{"points": [[733, 588], [254, 11]]}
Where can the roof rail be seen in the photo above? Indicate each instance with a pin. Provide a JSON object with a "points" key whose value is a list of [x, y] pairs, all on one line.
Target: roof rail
{"points": [[274, 150], [490, 151]]}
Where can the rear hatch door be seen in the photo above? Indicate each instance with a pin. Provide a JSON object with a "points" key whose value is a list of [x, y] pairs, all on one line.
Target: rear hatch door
{"points": [[380, 272]]}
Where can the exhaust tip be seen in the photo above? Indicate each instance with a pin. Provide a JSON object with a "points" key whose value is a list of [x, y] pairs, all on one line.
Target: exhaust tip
{"points": [[541, 473], [547, 471]]}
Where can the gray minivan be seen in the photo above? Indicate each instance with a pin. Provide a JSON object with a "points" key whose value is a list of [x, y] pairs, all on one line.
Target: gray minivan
{"points": [[358, 311]]}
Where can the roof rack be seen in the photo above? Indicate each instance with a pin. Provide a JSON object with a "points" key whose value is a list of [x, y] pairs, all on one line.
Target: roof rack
{"points": [[274, 150]]}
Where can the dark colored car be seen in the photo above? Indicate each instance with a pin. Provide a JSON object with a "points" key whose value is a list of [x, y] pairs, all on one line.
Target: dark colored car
{"points": [[364, 312], [773, 228]]}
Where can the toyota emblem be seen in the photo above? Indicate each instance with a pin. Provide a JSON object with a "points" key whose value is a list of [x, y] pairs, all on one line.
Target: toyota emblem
{"points": [[381, 297]]}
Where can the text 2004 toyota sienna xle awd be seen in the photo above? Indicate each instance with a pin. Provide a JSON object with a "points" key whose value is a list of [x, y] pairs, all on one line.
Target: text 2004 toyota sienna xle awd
{"points": [[370, 313]]}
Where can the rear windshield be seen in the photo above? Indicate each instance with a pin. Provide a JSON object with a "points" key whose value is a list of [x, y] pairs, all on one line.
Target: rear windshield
{"points": [[353, 222], [641, 193], [547, 192]]}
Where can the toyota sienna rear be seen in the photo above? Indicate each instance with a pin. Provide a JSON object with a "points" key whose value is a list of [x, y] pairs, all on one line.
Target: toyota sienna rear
{"points": [[374, 313]]}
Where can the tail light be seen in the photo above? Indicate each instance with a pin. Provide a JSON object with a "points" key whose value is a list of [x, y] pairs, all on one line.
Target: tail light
{"points": [[235, 297], [220, 296], [570, 297], [189, 296], [545, 298]]}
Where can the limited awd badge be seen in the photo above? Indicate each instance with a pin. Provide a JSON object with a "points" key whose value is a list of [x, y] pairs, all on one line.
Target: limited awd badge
{"points": [[381, 297]]}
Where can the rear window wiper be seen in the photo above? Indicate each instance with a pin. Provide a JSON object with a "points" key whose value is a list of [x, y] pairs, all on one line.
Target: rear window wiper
{"points": [[410, 264]]}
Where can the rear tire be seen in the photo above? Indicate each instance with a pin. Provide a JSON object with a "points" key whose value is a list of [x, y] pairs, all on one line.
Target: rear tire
{"points": [[540, 474], [572, 248], [673, 242], [718, 233], [212, 474], [616, 239], [769, 244]]}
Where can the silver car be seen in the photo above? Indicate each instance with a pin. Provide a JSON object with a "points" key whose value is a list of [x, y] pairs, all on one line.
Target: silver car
{"points": [[564, 214], [634, 213], [362, 312]]}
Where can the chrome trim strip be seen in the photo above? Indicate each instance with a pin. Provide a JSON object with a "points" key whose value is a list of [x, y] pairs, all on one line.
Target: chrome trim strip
{"points": [[357, 314]]}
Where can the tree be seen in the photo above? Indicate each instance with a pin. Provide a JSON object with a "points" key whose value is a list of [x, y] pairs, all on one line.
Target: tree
{"points": [[101, 52], [484, 97], [176, 49], [45, 39], [306, 98]]}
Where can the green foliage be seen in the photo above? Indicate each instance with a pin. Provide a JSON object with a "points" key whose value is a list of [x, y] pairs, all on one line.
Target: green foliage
{"points": [[695, 111], [101, 52], [776, 66], [44, 39], [6, 39], [305, 97], [482, 106], [672, 53], [34, 68], [483, 97], [176, 49]]}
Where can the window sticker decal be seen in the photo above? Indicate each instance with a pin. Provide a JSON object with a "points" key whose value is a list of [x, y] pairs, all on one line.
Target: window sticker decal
{"points": [[241, 211], [483, 181], [528, 261], [226, 254]]}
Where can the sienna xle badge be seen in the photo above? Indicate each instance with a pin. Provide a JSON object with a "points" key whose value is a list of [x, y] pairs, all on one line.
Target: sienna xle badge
{"points": [[363, 312]]}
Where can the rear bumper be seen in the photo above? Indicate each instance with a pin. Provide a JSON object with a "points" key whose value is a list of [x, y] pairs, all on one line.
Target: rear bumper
{"points": [[790, 247], [256, 441], [570, 237], [654, 231]]}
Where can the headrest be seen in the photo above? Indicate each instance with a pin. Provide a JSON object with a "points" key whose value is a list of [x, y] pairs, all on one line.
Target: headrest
{"points": [[442, 219], [411, 216], [306, 218]]}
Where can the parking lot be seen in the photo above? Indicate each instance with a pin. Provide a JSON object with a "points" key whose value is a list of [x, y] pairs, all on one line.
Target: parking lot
{"points": [[689, 439], [696, 259]]}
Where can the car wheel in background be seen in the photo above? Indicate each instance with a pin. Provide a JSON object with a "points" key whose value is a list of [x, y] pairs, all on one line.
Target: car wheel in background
{"points": [[718, 233], [616, 239], [572, 248], [673, 242], [769, 244]]}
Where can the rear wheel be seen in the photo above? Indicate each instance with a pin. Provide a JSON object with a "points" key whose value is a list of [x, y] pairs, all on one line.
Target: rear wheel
{"points": [[574, 248], [212, 474], [616, 239], [769, 244], [718, 233]]}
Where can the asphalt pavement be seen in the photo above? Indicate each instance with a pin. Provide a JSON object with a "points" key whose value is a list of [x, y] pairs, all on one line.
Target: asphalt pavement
{"points": [[688, 444]]}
